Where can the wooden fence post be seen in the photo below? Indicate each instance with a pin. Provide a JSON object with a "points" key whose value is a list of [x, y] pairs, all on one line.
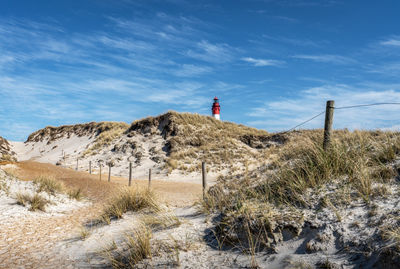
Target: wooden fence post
{"points": [[328, 123], [149, 178], [109, 172], [100, 170], [90, 167], [204, 174], [130, 174]]}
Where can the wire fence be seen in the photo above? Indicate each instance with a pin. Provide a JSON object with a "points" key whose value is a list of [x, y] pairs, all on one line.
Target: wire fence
{"points": [[328, 127], [336, 108]]}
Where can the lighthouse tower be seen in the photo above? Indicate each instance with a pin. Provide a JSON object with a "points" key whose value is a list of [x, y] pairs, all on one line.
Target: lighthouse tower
{"points": [[216, 108]]}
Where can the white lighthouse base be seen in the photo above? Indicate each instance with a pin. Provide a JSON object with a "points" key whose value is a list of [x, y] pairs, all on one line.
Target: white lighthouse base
{"points": [[216, 116]]}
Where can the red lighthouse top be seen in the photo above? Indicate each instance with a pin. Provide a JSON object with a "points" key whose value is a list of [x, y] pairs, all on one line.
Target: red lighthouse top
{"points": [[215, 107]]}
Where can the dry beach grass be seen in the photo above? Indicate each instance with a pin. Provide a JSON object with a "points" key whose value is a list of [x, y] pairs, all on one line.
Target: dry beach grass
{"points": [[359, 168], [129, 199]]}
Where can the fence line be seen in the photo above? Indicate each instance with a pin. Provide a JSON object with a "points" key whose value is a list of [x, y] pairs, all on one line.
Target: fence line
{"points": [[374, 104], [335, 108], [291, 129], [327, 134]]}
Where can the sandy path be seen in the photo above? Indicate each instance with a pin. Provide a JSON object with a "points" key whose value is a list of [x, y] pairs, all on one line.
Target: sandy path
{"points": [[173, 193], [30, 242]]}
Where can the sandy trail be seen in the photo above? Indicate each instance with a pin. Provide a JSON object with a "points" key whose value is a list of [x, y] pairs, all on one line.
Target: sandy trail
{"points": [[174, 193], [30, 242]]}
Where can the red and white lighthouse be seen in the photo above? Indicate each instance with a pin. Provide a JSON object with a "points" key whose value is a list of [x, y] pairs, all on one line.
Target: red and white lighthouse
{"points": [[216, 108]]}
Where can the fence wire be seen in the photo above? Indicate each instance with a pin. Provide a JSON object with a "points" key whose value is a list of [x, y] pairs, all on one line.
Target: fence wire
{"points": [[304, 122], [342, 107], [375, 104]]}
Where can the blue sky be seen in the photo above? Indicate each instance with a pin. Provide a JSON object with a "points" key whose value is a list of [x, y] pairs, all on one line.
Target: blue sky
{"points": [[272, 63]]}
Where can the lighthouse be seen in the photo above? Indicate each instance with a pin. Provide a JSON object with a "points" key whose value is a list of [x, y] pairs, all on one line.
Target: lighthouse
{"points": [[216, 108]]}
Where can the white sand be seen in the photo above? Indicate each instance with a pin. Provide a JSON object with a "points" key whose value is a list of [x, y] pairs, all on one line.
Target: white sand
{"points": [[11, 211]]}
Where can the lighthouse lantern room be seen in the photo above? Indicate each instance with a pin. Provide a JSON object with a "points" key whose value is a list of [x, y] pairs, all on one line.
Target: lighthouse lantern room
{"points": [[216, 108]]}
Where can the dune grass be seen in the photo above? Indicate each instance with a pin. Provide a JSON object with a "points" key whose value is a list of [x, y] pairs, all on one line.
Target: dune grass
{"points": [[53, 186], [392, 232], [34, 202], [75, 194], [160, 221], [4, 186], [137, 247], [49, 185], [129, 199], [107, 132], [358, 165], [7, 158], [84, 233], [199, 138], [356, 159]]}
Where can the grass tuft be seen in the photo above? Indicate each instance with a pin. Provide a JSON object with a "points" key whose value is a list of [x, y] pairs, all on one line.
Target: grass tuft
{"points": [[75, 194], [162, 221], [138, 248], [35, 202], [392, 234], [23, 199], [49, 185], [84, 233], [129, 199], [4, 186]]}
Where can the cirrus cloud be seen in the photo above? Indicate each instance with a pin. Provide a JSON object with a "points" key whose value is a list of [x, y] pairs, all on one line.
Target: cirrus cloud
{"points": [[262, 62]]}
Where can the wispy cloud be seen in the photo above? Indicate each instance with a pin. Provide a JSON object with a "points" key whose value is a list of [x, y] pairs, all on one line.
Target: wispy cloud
{"points": [[296, 41], [190, 70], [221, 86], [262, 62], [126, 44], [211, 52], [326, 58], [6, 60], [104, 75], [285, 19], [178, 93], [387, 69], [275, 17], [395, 41]]}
